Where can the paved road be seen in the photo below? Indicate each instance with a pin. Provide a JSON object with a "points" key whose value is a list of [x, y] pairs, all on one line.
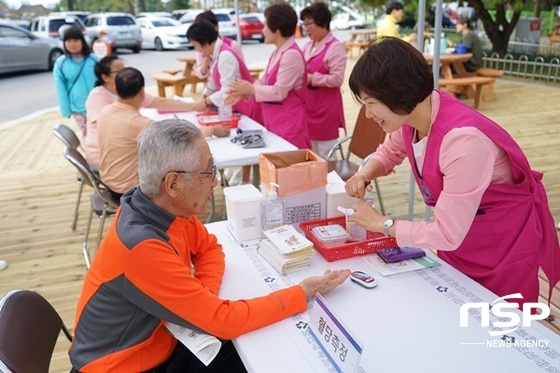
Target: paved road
{"points": [[26, 93]]}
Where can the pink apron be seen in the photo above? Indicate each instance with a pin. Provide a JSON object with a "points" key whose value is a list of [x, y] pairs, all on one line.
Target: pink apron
{"points": [[249, 107], [513, 232], [325, 113], [287, 118]]}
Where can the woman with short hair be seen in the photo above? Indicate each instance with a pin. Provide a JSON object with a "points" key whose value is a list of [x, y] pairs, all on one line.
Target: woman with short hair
{"points": [[491, 216], [326, 63], [281, 91]]}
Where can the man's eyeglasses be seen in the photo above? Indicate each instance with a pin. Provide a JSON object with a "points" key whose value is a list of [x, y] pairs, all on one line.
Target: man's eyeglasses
{"points": [[308, 24], [212, 173]]}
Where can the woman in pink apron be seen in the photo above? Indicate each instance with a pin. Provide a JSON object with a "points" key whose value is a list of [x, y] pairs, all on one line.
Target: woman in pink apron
{"points": [[326, 62], [282, 89], [202, 64], [225, 68], [491, 215]]}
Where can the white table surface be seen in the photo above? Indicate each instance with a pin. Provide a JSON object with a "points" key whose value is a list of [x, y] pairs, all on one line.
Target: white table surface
{"points": [[408, 323], [226, 153]]}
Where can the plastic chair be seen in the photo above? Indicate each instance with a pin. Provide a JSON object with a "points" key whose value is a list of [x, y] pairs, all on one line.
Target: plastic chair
{"points": [[29, 329], [69, 138], [103, 203], [365, 139]]}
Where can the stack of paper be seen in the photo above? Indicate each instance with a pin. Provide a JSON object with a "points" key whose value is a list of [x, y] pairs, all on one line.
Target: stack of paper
{"points": [[286, 249]]}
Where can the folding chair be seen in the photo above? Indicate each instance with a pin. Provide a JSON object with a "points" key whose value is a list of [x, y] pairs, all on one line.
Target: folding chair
{"points": [[29, 329], [103, 203], [365, 139], [69, 138]]}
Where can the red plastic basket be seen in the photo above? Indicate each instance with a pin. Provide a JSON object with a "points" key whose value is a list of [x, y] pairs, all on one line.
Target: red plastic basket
{"points": [[373, 243], [213, 119]]}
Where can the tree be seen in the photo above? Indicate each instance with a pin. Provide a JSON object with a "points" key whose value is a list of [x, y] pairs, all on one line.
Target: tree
{"points": [[500, 29]]}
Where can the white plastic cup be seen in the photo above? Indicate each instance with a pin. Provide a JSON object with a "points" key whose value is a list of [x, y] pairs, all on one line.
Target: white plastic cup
{"points": [[224, 112]]}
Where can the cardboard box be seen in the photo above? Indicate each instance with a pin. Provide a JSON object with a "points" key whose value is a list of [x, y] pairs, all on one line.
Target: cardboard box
{"points": [[305, 206], [296, 171]]}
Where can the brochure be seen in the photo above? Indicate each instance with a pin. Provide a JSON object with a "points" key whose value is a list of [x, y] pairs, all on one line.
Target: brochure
{"points": [[204, 346]]}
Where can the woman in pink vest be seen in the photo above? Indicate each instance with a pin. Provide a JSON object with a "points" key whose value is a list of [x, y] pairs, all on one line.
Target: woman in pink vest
{"points": [[225, 68], [491, 215], [326, 62], [282, 89], [202, 65]]}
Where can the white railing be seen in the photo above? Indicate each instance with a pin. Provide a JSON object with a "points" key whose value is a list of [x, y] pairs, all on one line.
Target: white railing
{"points": [[537, 69]]}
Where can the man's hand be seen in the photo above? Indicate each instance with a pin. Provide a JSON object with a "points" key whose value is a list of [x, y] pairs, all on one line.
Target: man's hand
{"points": [[221, 131], [324, 284]]}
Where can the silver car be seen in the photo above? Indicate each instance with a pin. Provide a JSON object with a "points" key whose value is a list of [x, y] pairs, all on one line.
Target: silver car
{"points": [[120, 30], [162, 33], [20, 50]]}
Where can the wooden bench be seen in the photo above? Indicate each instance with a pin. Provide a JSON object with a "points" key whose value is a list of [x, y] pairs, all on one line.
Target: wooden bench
{"points": [[478, 81], [492, 73], [256, 72], [177, 80], [164, 80], [554, 36], [360, 44]]}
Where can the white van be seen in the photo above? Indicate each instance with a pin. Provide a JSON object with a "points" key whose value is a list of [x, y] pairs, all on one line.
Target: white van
{"points": [[348, 19]]}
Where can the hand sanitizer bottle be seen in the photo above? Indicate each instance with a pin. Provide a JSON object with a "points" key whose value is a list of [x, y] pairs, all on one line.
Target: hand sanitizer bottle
{"points": [[272, 209]]}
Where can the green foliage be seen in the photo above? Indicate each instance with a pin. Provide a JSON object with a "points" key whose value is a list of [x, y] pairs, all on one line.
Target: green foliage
{"points": [[178, 4], [96, 6]]}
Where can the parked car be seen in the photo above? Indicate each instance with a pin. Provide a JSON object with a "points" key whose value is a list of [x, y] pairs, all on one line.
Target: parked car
{"points": [[345, 21], [20, 50], [120, 30], [154, 14], [225, 21], [251, 27], [179, 13], [50, 26], [189, 16], [163, 33], [77, 13], [23, 23]]}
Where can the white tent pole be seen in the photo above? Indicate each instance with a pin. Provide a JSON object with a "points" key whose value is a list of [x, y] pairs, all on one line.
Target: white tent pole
{"points": [[236, 5]]}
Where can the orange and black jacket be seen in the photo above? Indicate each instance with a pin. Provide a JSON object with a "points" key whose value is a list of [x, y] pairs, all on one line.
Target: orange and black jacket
{"points": [[141, 276]]}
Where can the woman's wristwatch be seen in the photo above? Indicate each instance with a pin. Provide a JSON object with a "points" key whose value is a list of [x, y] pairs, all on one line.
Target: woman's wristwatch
{"points": [[386, 225]]}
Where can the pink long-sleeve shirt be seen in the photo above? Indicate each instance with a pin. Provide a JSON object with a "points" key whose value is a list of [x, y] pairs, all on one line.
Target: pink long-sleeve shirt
{"points": [[458, 202], [335, 61], [290, 74]]}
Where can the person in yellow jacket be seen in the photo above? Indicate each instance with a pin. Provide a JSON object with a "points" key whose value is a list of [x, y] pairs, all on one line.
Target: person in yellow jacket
{"points": [[388, 25]]}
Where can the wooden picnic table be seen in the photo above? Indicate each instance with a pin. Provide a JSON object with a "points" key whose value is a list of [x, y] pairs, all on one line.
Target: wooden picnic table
{"points": [[455, 78], [360, 38], [451, 64]]}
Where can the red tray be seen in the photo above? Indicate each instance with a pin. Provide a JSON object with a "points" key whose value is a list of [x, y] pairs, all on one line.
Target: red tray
{"points": [[373, 243], [213, 119]]}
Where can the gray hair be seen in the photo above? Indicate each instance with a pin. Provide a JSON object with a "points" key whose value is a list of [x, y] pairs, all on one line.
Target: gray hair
{"points": [[163, 147]]}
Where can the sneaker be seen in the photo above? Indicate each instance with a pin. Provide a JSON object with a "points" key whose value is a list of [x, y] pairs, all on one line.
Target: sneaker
{"points": [[3, 264]]}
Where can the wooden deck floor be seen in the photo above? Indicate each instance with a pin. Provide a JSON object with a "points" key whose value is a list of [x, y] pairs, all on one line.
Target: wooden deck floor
{"points": [[38, 192]]}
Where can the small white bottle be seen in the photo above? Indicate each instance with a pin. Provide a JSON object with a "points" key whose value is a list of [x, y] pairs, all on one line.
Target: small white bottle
{"points": [[224, 112], [272, 209]]}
